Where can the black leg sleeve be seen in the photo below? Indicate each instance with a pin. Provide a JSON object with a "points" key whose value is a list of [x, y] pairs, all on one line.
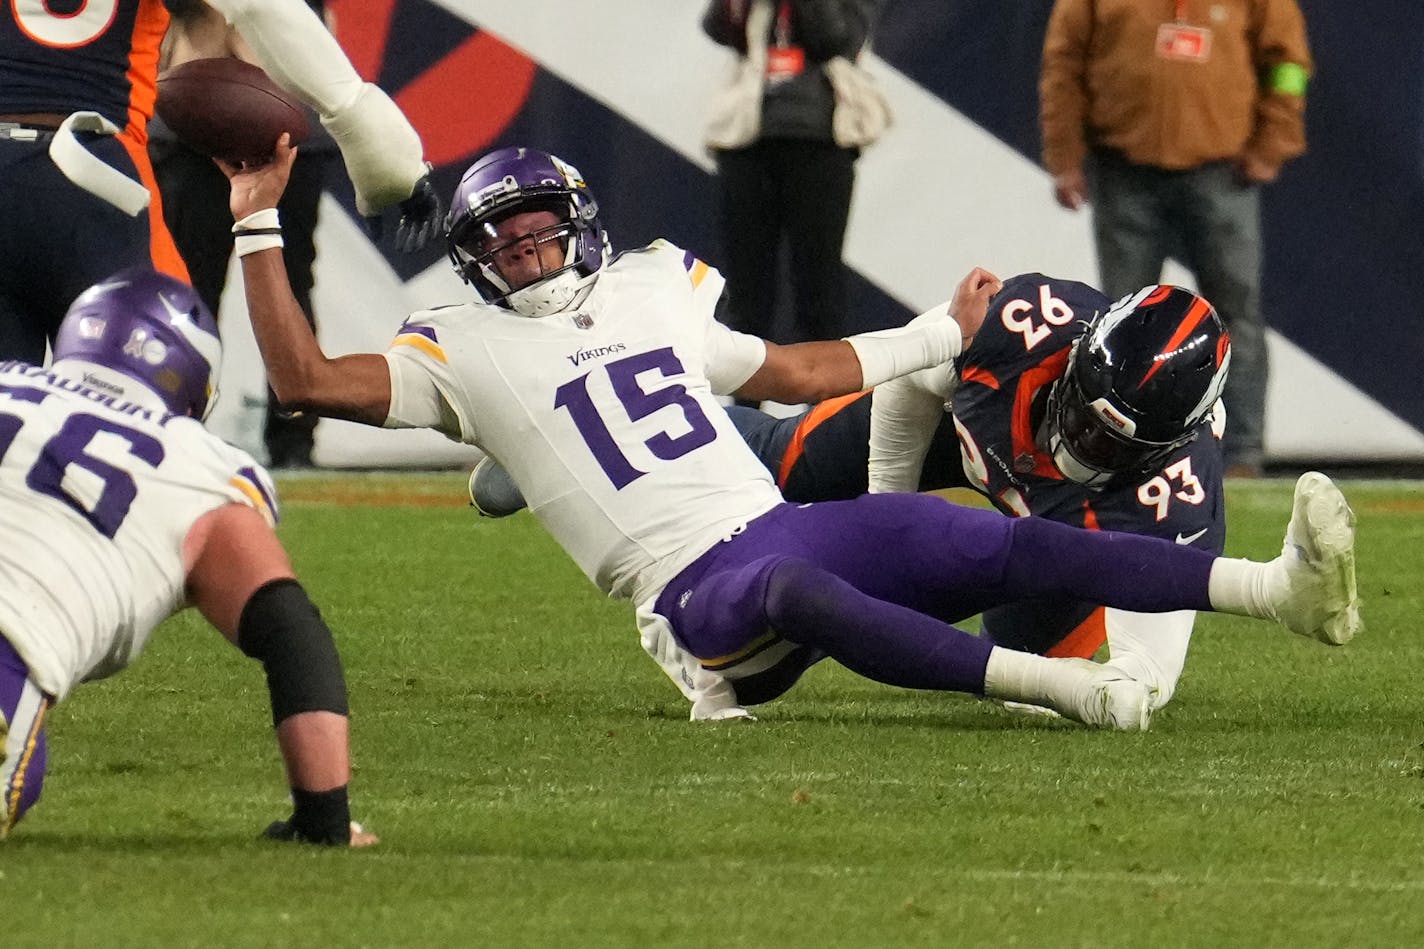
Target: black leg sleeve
{"points": [[283, 629]]}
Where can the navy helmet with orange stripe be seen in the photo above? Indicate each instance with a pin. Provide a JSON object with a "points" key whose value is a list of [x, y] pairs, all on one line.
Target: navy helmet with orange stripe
{"points": [[146, 327], [1139, 383]]}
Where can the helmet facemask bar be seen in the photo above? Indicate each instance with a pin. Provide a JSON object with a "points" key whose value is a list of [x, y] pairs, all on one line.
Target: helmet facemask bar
{"points": [[1091, 442], [517, 181], [480, 249]]}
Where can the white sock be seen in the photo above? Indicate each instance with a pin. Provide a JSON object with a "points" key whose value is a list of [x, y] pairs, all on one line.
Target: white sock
{"points": [[1024, 677], [1246, 587]]}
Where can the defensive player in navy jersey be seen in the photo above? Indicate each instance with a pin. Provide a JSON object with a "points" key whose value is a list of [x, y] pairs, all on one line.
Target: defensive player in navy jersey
{"points": [[77, 191], [593, 378], [993, 434], [118, 509], [1100, 415]]}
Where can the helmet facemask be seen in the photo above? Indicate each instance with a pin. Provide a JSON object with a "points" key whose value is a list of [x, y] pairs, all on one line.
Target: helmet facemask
{"points": [[1092, 442], [1139, 383], [554, 287]]}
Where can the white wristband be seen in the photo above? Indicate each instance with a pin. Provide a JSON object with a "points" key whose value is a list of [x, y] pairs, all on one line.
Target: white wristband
{"points": [[260, 230], [931, 339]]}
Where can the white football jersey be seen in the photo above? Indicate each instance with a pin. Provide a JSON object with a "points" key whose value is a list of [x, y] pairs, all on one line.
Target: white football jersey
{"points": [[604, 415], [96, 497]]}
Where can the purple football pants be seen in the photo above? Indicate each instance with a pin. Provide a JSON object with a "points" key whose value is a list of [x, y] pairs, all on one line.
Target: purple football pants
{"points": [[22, 741], [875, 582]]}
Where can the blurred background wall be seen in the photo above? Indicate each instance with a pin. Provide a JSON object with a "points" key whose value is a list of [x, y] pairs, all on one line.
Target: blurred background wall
{"points": [[619, 89]]}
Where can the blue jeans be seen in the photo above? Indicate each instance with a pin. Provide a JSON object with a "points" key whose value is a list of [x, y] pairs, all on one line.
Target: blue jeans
{"points": [[1206, 218]]}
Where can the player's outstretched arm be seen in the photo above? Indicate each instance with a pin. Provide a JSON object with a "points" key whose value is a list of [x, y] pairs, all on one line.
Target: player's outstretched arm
{"points": [[355, 387], [381, 149], [241, 580], [812, 372]]}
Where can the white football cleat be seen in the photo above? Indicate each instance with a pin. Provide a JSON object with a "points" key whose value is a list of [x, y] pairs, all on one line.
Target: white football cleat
{"points": [[1319, 597], [1109, 698]]}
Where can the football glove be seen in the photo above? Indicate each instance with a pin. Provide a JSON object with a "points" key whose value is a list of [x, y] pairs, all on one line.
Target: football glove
{"points": [[421, 217]]}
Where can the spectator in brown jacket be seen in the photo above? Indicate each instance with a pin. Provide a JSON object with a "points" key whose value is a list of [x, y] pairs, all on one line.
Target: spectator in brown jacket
{"points": [[1170, 115]]}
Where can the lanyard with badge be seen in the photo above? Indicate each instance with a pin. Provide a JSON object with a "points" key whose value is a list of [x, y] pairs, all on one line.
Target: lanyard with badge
{"points": [[784, 59], [1180, 41]]}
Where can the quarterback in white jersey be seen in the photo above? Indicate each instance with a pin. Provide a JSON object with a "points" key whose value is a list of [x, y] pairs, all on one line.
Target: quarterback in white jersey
{"points": [[592, 379], [117, 509], [478, 376]]}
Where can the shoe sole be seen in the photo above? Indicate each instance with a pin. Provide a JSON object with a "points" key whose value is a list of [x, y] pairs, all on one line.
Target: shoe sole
{"points": [[1331, 533]]}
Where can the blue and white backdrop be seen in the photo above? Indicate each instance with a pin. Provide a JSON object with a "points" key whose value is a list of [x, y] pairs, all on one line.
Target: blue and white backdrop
{"points": [[619, 88]]}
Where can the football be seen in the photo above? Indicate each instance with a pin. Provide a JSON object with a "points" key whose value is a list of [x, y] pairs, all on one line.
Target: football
{"points": [[228, 109]]}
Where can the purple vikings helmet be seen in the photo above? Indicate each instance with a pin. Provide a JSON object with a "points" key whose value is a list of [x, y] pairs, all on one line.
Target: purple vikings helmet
{"points": [[513, 181], [150, 328], [1139, 383]]}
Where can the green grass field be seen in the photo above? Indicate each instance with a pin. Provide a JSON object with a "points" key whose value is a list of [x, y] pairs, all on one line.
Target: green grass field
{"points": [[536, 783]]}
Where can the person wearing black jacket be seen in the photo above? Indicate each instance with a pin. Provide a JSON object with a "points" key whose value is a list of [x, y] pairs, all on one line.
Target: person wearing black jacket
{"points": [[793, 181]]}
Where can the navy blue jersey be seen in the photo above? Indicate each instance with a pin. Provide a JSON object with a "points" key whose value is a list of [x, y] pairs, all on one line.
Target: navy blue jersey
{"points": [[1005, 376], [824, 453], [989, 444], [64, 56]]}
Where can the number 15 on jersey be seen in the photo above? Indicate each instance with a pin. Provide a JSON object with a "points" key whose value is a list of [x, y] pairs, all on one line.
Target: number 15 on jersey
{"points": [[606, 437]]}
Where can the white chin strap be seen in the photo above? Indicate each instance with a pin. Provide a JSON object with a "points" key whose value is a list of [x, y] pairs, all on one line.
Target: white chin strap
{"points": [[550, 295]]}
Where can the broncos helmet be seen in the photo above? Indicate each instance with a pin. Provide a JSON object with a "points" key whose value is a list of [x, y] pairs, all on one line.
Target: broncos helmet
{"points": [[511, 181], [144, 326], [1138, 384]]}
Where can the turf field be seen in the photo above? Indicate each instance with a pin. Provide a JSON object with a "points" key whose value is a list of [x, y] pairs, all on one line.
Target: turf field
{"points": [[536, 784]]}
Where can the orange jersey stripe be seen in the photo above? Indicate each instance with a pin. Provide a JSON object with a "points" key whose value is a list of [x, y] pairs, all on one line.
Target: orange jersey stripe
{"points": [[817, 415], [1021, 427], [149, 27], [982, 376], [1087, 637], [161, 248], [1090, 517], [1085, 640]]}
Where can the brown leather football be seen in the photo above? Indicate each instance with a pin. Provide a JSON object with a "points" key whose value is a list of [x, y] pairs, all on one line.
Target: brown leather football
{"points": [[228, 109]]}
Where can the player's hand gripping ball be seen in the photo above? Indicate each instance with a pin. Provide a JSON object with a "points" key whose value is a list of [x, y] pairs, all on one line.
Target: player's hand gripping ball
{"points": [[228, 109]]}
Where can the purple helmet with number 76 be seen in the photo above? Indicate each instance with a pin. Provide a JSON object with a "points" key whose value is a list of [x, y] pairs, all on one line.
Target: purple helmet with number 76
{"points": [[513, 181], [143, 326]]}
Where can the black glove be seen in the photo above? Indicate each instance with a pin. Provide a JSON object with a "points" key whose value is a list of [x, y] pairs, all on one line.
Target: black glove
{"points": [[421, 218]]}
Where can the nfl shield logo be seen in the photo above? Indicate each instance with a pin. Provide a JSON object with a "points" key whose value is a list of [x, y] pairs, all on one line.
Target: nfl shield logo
{"points": [[583, 321]]}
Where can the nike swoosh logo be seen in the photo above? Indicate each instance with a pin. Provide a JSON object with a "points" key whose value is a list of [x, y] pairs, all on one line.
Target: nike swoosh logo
{"points": [[1190, 538]]}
